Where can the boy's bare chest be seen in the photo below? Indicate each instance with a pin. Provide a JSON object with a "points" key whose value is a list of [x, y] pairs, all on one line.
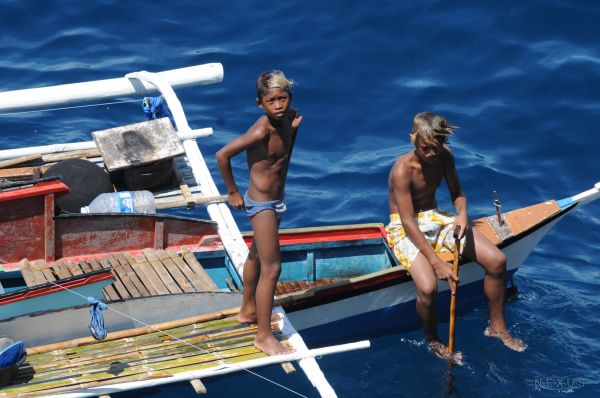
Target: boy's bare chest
{"points": [[426, 182], [277, 145]]}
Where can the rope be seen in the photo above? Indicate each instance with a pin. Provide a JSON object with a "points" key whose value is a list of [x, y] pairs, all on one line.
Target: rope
{"points": [[187, 343], [68, 107], [96, 324]]}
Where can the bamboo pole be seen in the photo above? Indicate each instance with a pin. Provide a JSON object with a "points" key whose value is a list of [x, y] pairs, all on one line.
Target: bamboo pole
{"points": [[133, 332]]}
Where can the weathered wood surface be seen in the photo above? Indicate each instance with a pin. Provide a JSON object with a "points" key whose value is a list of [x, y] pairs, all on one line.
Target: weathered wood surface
{"points": [[137, 144], [155, 272]]}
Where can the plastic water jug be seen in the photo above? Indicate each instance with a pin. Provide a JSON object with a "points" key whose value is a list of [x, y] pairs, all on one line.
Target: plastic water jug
{"points": [[122, 202]]}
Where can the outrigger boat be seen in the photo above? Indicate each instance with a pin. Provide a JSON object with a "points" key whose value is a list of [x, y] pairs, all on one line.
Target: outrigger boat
{"points": [[336, 281]]}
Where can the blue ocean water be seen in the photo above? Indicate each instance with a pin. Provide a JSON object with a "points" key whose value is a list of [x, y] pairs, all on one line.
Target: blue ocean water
{"points": [[521, 79]]}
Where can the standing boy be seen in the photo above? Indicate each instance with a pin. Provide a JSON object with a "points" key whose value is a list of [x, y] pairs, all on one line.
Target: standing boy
{"points": [[418, 229], [268, 144]]}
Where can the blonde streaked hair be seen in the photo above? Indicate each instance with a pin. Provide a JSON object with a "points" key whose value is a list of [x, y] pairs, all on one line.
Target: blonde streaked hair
{"points": [[430, 128], [272, 79]]}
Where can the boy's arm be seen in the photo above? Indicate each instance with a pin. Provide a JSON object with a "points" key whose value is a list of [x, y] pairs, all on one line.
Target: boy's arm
{"points": [[296, 120], [403, 198], [459, 200], [255, 134]]}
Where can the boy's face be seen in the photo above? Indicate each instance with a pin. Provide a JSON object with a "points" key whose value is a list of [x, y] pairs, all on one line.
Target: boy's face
{"points": [[428, 151], [275, 103]]}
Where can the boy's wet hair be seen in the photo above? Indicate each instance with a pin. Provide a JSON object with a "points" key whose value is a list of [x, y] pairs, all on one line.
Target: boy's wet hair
{"points": [[430, 128], [272, 79]]}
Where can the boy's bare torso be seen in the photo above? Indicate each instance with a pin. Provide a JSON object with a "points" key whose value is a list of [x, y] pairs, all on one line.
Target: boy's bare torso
{"points": [[424, 180], [268, 159]]}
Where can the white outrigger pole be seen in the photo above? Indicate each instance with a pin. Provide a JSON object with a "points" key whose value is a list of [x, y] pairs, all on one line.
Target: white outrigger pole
{"points": [[141, 83]]}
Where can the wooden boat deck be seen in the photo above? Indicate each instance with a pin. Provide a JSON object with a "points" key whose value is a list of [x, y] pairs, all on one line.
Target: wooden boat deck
{"points": [[137, 354], [154, 272]]}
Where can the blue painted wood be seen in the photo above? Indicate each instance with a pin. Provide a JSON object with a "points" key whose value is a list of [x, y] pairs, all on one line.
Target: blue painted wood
{"points": [[54, 301]]}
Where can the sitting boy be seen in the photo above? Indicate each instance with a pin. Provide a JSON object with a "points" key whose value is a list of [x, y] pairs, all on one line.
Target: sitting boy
{"points": [[418, 229]]}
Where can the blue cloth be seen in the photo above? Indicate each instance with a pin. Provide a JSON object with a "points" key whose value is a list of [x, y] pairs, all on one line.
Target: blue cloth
{"points": [[96, 324], [254, 207], [156, 108], [12, 355]]}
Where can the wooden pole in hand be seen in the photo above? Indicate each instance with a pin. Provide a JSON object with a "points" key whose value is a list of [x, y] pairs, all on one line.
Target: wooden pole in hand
{"points": [[455, 285]]}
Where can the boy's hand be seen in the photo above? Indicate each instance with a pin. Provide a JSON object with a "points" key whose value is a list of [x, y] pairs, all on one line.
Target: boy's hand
{"points": [[463, 222], [296, 122], [235, 200], [443, 271]]}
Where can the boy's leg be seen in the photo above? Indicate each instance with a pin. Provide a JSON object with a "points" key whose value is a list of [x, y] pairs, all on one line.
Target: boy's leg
{"points": [[266, 238], [425, 280], [484, 252], [426, 284], [251, 275]]}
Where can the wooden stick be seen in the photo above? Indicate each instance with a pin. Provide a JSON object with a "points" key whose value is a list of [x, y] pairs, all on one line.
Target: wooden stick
{"points": [[453, 294], [207, 200], [20, 160]]}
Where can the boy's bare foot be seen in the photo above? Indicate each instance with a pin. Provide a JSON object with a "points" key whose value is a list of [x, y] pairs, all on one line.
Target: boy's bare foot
{"points": [[441, 351], [251, 318], [271, 346], [511, 342]]}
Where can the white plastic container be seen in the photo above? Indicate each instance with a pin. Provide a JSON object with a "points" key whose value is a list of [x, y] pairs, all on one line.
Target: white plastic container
{"points": [[122, 202]]}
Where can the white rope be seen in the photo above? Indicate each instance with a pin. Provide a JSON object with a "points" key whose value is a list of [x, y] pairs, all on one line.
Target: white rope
{"points": [[186, 343], [68, 107]]}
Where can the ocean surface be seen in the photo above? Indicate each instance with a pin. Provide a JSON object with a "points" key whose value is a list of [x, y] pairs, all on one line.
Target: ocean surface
{"points": [[521, 79]]}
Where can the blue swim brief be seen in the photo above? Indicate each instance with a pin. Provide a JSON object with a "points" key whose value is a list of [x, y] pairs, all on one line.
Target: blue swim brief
{"points": [[253, 207]]}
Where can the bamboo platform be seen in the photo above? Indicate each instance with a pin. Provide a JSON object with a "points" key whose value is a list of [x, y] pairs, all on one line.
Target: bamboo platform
{"points": [[186, 349], [136, 355], [155, 272]]}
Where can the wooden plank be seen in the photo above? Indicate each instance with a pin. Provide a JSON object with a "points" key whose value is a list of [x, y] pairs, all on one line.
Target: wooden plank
{"points": [[183, 187], [23, 159], [85, 267], [137, 144], [42, 266], [84, 153], [61, 270], [27, 272], [20, 172], [49, 241], [190, 259], [117, 284], [175, 272], [147, 275], [74, 268], [96, 266], [159, 235], [195, 280], [288, 368], [198, 386], [139, 285], [129, 290], [179, 201], [162, 271], [93, 265]]}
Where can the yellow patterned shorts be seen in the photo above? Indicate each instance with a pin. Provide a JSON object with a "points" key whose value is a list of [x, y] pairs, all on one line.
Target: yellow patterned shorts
{"points": [[436, 226]]}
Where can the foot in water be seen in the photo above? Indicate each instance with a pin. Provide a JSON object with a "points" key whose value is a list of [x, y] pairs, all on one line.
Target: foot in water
{"points": [[441, 351], [511, 342], [251, 318], [271, 346]]}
